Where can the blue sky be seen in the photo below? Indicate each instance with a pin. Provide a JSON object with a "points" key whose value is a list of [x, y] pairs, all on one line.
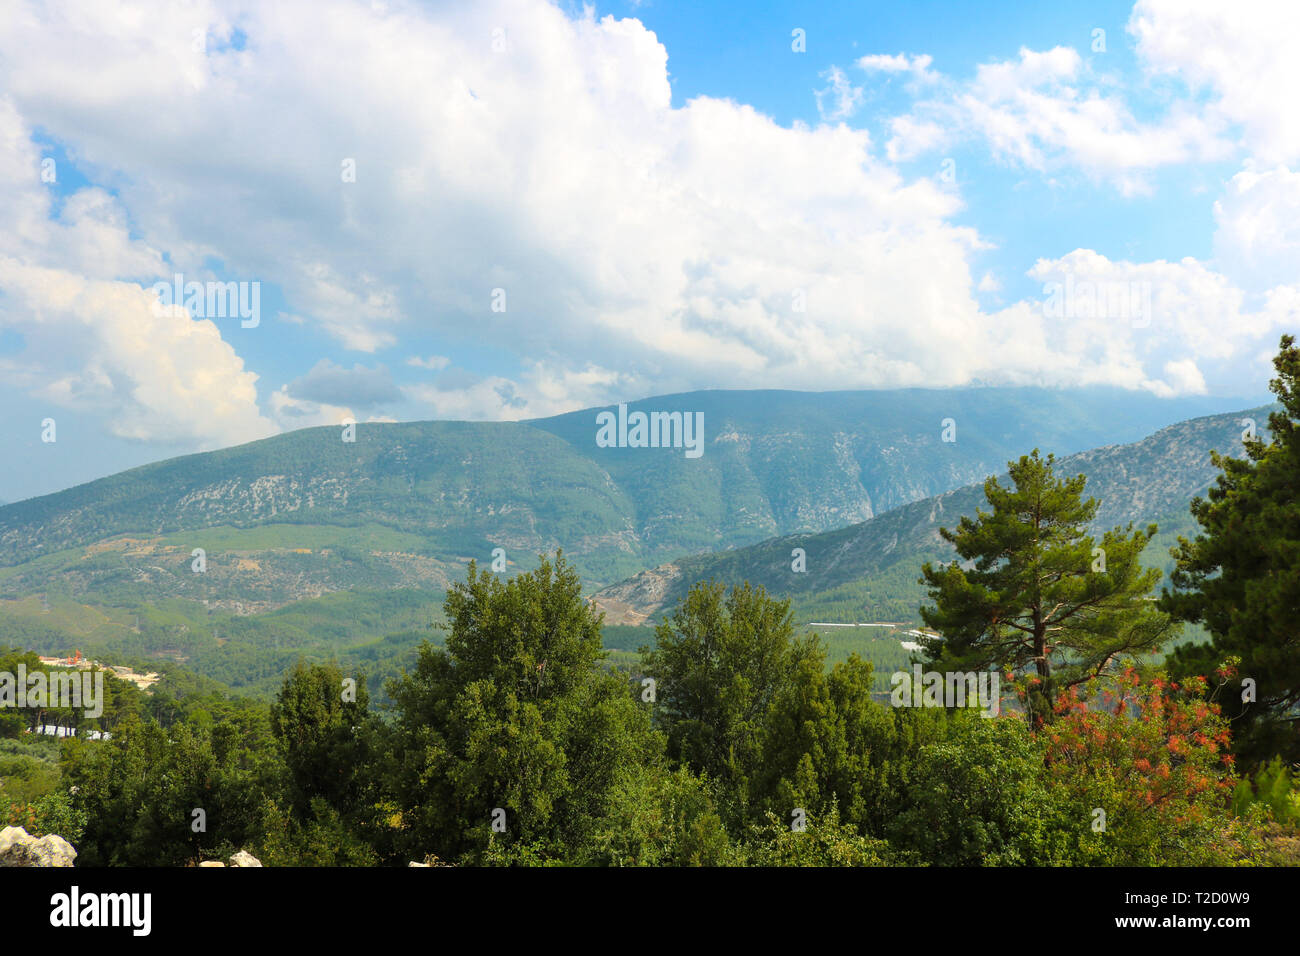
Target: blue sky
{"points": [[559, 206]]}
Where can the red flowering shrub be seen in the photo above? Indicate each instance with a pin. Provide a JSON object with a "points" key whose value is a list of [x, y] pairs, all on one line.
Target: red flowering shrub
{"points": [[1143, 765]]}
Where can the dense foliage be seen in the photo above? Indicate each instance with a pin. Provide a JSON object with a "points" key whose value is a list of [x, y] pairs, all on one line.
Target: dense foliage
{"points": [[527, 736], [734, 744], [1241, 576]]}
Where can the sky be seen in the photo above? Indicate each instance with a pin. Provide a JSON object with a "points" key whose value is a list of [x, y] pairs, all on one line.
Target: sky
{"points": [[507, 209]]}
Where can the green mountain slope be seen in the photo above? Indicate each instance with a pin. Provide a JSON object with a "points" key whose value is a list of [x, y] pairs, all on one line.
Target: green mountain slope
{"points": [[868, 572], [405, 505], [319, 548]]}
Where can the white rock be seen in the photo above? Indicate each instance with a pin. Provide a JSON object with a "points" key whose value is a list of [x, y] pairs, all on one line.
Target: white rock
{"points": [[20, 848], [244, 858]]}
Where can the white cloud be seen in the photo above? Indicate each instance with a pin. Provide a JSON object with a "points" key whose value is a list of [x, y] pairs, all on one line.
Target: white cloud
{"points": [[844, 98], [689, 246], [1242, 53], [1124, 320], [151, 374], [93, 342], [292, 413], [1257, 236], [1183, 377], [1235, 73], [540, 392], [1044, 110], [667, 242], [919, 66], [912, 137]]}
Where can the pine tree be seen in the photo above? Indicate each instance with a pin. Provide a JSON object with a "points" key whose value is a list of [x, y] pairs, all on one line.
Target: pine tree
{"points": [[1034, 590], [1241, 577]]}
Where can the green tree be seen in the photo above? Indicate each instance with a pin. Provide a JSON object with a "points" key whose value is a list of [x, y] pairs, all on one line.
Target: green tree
{"points": [[829, 748], [320, 718], [820, 840], [138, 792], [516, 722], [1275, 788], [723, 658], [1033, 589], [1240, 577], [658, 818], [325, 736], [977, 798]]}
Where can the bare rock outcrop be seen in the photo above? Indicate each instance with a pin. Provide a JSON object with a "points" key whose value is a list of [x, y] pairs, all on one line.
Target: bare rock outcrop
{"points": [[242, 858], [20, 848]]}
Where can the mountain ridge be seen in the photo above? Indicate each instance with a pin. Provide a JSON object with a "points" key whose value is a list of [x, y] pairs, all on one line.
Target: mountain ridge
{"points": [[542, 484], [1150, 480], [353, 560]]}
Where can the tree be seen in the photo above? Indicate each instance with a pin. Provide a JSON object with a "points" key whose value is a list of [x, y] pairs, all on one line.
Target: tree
{"points": [[823, 841], [722, 659], [319, 722], [326, 737], [829, 748], [1033, 591], [515, 735], [1241, 576], [155, 797], [976, 797], [658, 818]]}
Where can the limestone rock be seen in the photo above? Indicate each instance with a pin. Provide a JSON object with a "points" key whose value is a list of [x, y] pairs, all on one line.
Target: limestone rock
{"points": [[20, 848], [212, 863], [244, 858]]}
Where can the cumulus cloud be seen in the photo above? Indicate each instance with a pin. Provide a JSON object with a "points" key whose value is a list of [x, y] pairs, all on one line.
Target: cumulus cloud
{"points": [[1242, 54], [1045, 110], [1233, 71], [1257, 235], [394, 171], [103, 347], [691, 245], [1119, 322], [93, 340]]}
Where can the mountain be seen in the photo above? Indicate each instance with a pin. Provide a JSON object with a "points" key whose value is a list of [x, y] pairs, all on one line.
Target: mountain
{"points": [[305, 514], [316, 547], [868, 572]]}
